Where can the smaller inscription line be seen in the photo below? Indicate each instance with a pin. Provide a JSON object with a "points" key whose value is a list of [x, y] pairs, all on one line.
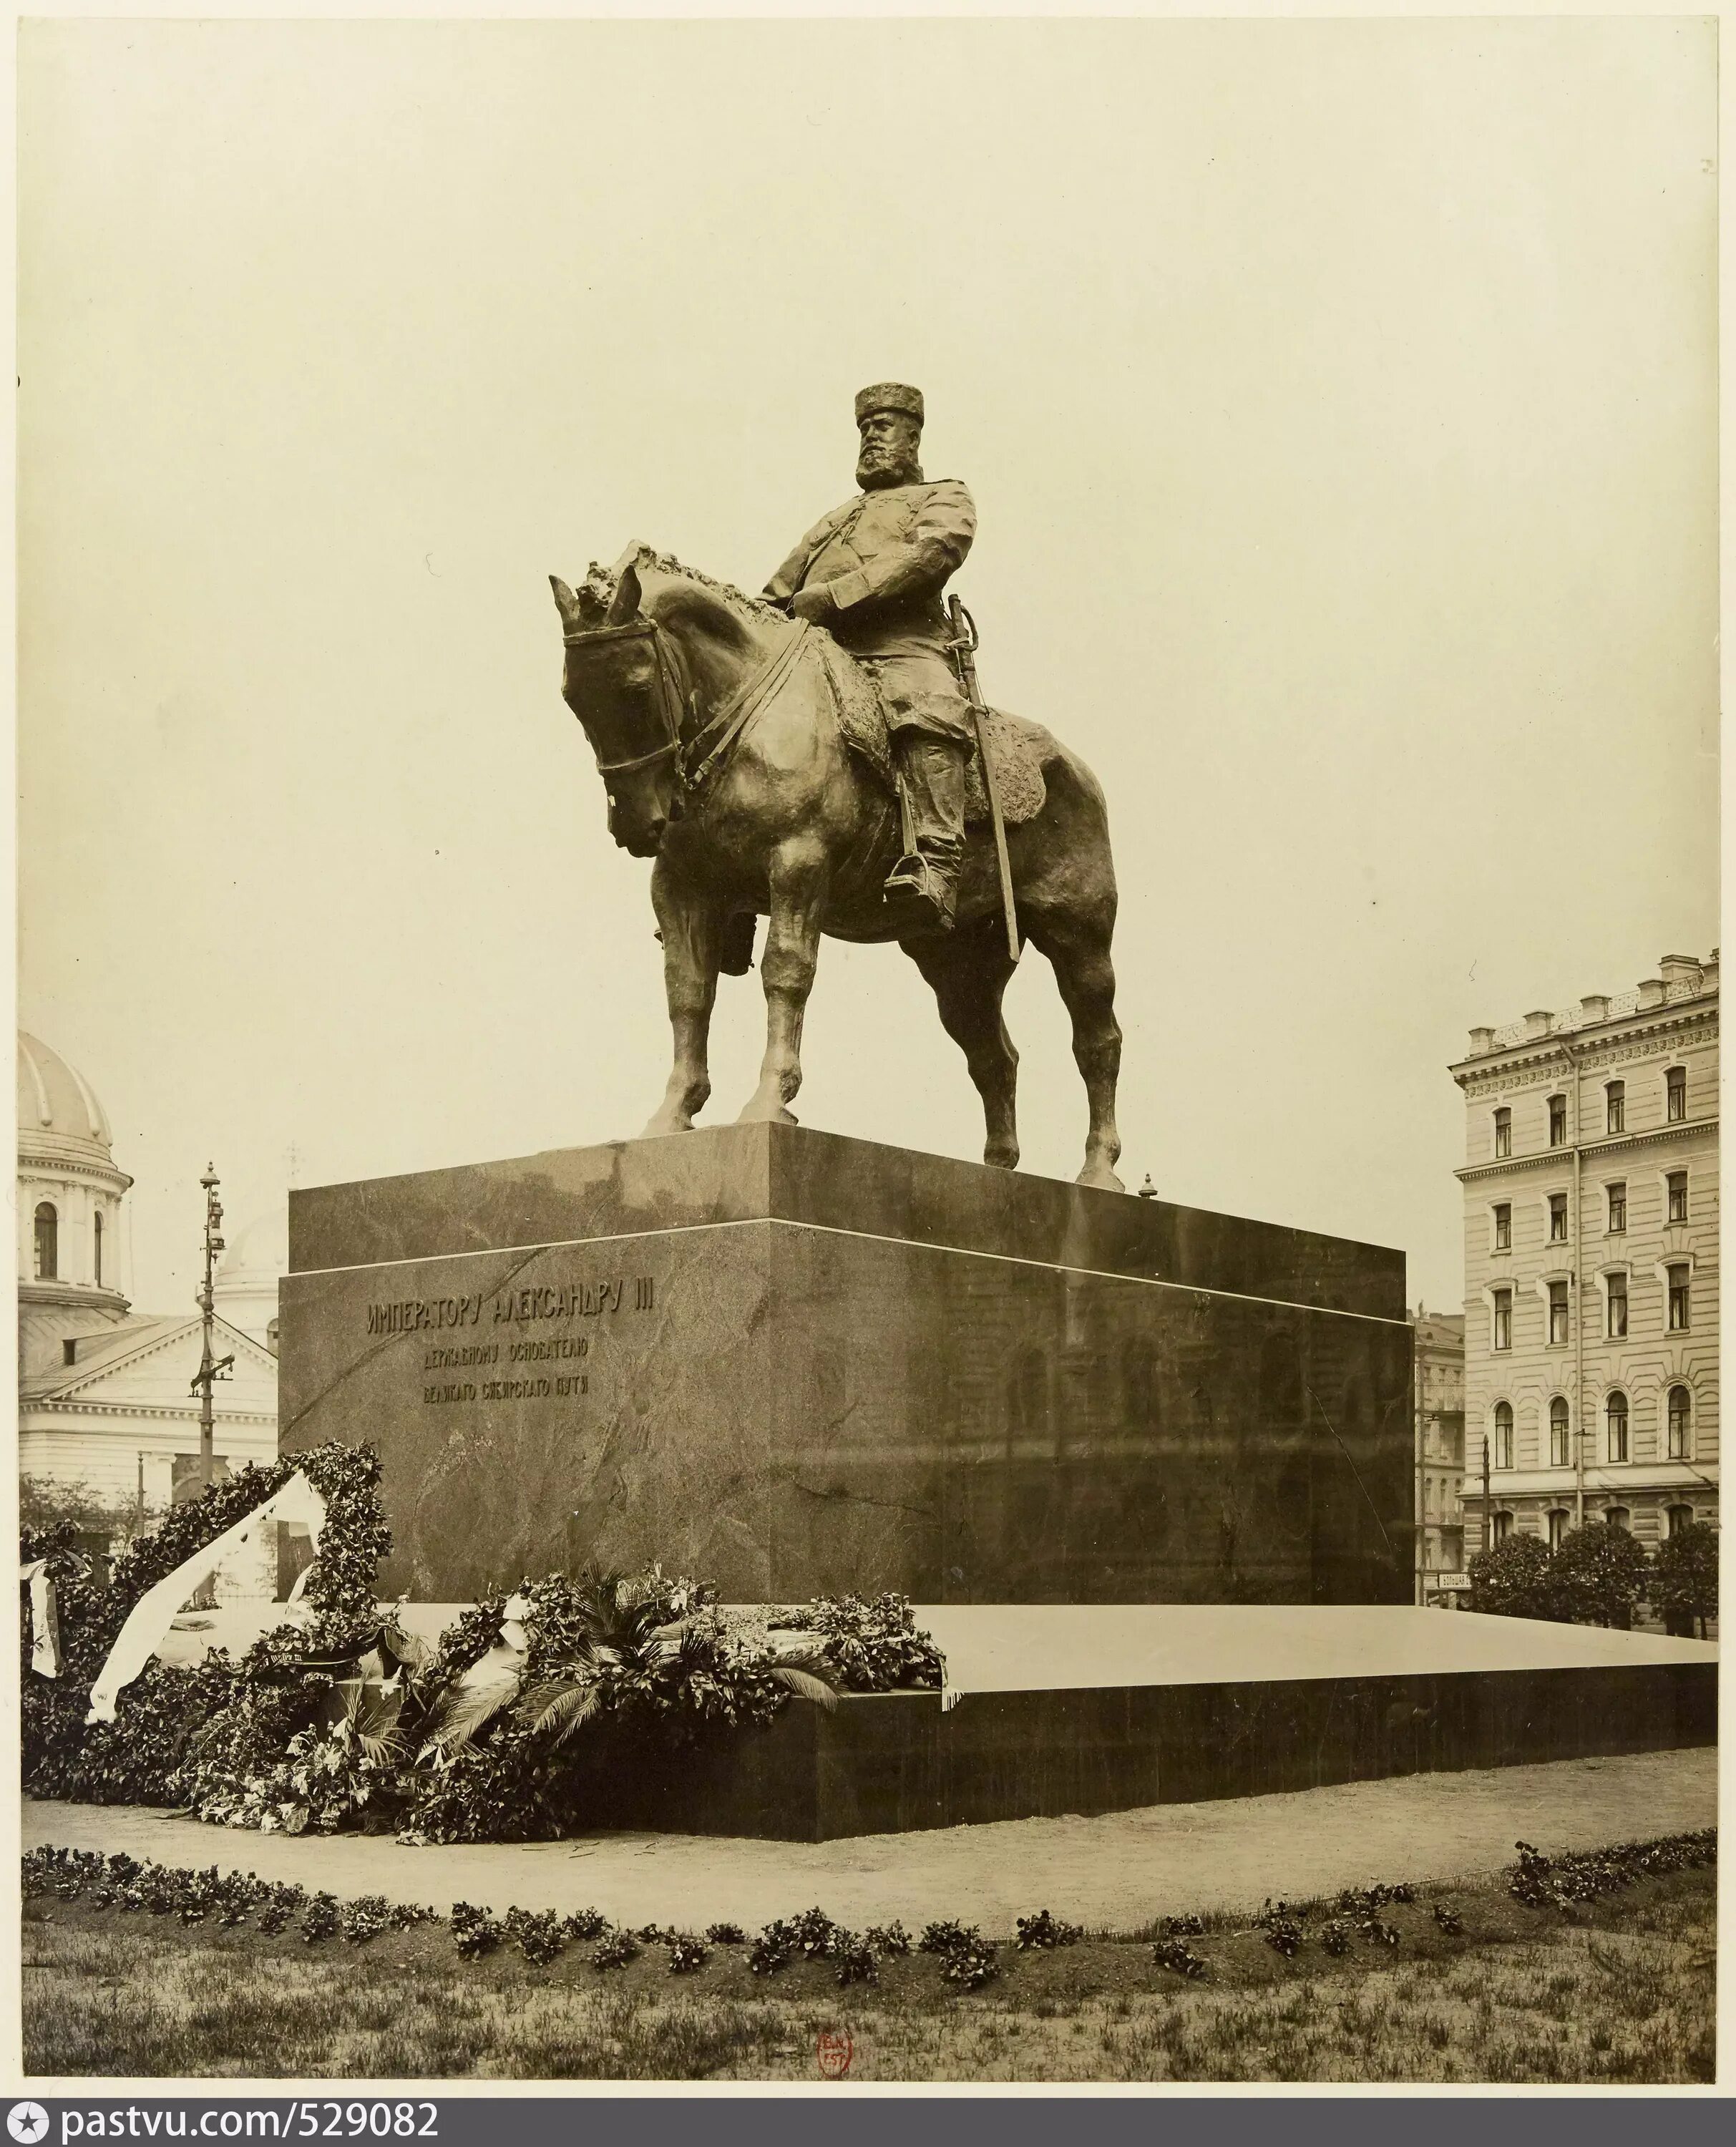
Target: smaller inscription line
{"points": [[869, 1237]]}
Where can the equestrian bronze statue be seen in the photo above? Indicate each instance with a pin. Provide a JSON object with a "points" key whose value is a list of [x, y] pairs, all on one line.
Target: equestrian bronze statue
{"points": [[813, 757]]}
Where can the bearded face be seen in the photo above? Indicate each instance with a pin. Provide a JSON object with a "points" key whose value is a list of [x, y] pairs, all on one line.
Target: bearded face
{"points": [[890, 442]]}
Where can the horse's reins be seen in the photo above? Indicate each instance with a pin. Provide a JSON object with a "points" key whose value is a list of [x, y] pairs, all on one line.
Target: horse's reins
{"points": [[674, 698]]}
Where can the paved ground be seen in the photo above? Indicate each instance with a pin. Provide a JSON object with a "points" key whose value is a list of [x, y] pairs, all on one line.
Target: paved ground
{"points": [[1114, 1873]]}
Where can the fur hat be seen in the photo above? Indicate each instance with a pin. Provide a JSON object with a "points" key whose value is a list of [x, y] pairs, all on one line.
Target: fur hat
{"points": [[890, 395]]}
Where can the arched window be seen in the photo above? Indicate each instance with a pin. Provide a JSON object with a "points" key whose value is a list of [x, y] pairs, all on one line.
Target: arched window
{"points": [[1679, 1518], [47, 1243], [1558, 1433], [1503, 1527], [1560, 1520], [1503, 1434], [1615, 1419], [95, 1243], [1617, 1517], [1680, 1416]]}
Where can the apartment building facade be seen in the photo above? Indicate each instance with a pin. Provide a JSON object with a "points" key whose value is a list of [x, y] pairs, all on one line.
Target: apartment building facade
{"points": [[1438, 1401], [1591, 1205]]}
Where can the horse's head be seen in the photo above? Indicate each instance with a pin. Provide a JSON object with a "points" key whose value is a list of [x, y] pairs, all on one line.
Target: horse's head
{"points": [[620, 681], [650, 646]]}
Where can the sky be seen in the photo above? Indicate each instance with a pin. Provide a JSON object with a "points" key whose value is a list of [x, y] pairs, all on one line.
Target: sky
{"points": [[1339, 399]]}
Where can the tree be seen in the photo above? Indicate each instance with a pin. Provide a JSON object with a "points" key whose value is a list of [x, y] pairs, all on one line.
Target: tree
{"points": [[1683, 1585], [1599, 1572], [45, 1500], [1515, 1579]]}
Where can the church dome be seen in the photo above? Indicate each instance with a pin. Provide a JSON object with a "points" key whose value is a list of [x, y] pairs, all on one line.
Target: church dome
{"points": [[59, 1113], [70, 1201], [258, 1252], [245, 1288]]}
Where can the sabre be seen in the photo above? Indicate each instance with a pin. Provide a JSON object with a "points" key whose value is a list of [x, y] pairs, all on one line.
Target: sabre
{"points": [[963, 646]]}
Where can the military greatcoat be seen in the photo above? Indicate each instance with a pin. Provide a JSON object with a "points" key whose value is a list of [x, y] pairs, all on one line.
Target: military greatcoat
{"points": [[884, 558]]}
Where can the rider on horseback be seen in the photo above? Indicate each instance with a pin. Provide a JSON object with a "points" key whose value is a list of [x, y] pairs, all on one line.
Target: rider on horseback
{"points": [[871, 573]]}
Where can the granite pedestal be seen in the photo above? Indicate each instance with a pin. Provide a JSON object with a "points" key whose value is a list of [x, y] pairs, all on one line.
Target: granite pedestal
{"points": [[793, 1364]]}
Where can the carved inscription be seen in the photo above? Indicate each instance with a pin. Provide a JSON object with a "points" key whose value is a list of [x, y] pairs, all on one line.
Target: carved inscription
{"points": [[528, 1306]]}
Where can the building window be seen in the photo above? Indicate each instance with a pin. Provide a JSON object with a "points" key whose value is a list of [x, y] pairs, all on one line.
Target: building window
{"points": [[1503, 1527], [1676, 1186], [96, 1248], [1557, 1121], [1558, 1432], [1678, 1307], [1615, 1419], [1503, 1434], [1558, 1312], [1558, 1520], [1678, 1410], [47, 1243], [1504, 1134], [1675, 1094], [1678, 1518], [1617, 1209], [1615, 1107], [1503, 1320], [1617, 1517], [1503, 1227], [1616, 1303], [1558, 1218]]}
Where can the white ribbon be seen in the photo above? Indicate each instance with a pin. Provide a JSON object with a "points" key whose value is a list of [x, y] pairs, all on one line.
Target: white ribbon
{"points": [[44, 1619], [154, 1612]]}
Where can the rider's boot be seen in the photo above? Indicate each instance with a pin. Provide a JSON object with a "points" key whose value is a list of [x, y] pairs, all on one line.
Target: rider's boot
{"points": [[923, 885]]}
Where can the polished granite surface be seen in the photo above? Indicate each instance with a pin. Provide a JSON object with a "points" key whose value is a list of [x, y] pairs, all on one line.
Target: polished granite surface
{"points": [[794, 1365], [728, 1175]]}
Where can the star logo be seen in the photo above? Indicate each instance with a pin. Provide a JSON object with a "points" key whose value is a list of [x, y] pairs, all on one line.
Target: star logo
{"points": [[27, 2122]]}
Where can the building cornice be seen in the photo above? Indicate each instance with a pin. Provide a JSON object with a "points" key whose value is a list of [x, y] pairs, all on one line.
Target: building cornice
{"points": [[1610, 1144], [156, 1411], [1635, 1036]]}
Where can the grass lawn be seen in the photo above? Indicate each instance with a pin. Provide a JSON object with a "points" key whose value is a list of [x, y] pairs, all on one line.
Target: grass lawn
{"points": [[1623, 1992]]}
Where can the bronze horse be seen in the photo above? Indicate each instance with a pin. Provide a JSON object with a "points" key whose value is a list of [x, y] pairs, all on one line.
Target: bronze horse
{"points": [[715, 723]]}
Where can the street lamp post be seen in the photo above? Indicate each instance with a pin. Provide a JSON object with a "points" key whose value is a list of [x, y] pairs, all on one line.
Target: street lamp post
{"points": [[210, 1370]]}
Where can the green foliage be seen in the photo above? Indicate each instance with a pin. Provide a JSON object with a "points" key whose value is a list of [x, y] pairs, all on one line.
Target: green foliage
{"points": [[1598, 1574], [1514, 1579], [345, 1719], [1684, 1584], [1561, 1882], [966, 1957], [1045, 1931], [200, 1735], [1177, 1955], [45, 1502], [870, 1646]]}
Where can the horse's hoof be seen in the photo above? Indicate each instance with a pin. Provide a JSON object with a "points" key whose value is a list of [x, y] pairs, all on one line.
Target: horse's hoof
{"points": [[666, 1124], [1001, 1159], [1100, 1175], [756, 1114]]}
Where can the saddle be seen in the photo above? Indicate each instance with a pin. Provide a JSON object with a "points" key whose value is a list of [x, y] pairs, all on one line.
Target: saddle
{"points": [[1018, 747]]}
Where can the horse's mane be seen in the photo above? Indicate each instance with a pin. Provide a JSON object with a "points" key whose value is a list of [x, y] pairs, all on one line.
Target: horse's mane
{"points": [[737, 600]]}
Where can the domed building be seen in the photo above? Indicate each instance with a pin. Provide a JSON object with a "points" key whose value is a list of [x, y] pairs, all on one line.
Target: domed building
{"points": [[246, 1286], [106, 1402]]}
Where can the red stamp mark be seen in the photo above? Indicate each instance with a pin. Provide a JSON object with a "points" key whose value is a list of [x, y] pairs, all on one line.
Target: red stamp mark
{"points": [[835, 2049]]}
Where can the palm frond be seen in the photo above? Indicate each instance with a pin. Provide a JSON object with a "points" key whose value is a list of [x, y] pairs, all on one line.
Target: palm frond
{"points": [[465, 1710], [561, 1706], [805, 1683]]}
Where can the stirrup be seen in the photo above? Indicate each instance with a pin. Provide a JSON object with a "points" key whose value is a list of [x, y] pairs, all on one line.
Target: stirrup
{"points": [[918, 888]]}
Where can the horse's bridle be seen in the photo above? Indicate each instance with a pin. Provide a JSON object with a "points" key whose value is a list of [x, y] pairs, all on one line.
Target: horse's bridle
{"points": [[671, 698], [675, 697]]}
